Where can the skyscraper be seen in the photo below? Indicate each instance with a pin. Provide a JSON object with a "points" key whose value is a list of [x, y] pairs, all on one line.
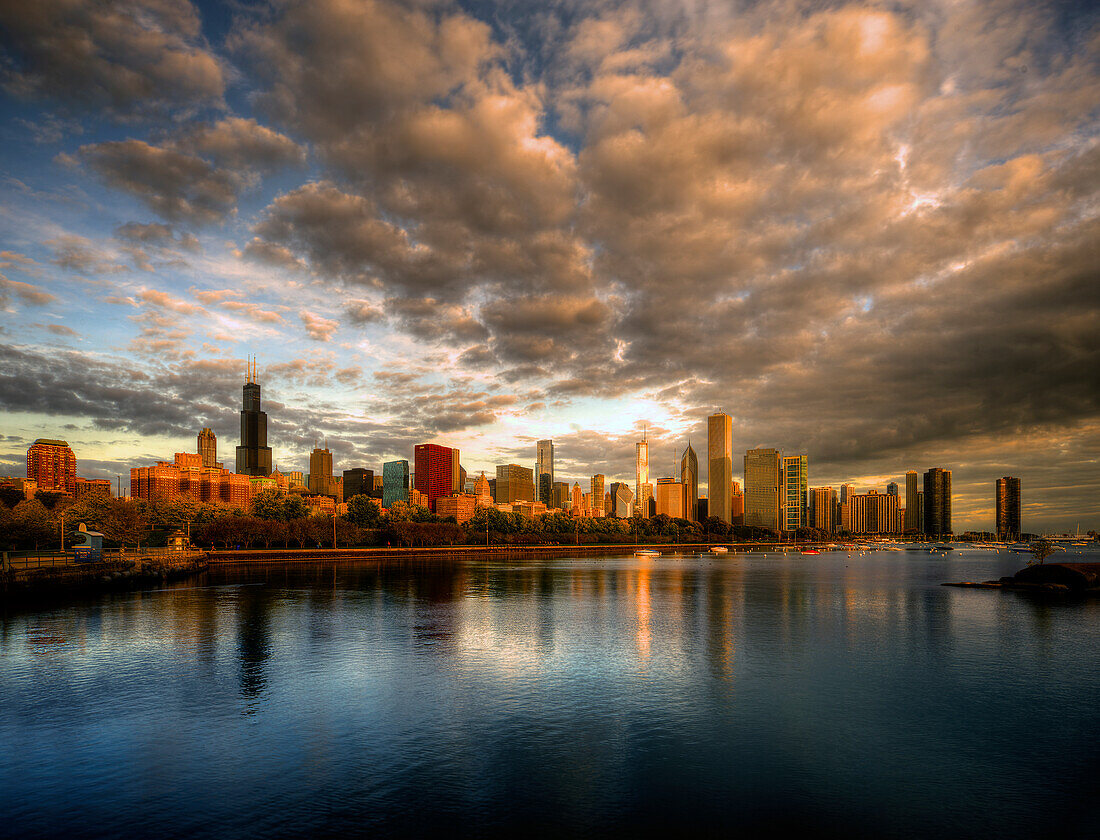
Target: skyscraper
{"points": [[1008, 508], [795, 485], [937, 502], [320, 472], [208, 448], [597, 491], [670, 498], [689, 477], [912, 508], [643, 490], [720, 466], [892, 488], [762, 479], [357, 482], [435, 471], [514, 484], [544, 462], [823, 505], [253, 455], [52, 465], [395, 482], [621, 497]]}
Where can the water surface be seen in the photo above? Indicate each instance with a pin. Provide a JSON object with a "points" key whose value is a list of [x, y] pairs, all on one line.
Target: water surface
{"points": [[834, 695]]}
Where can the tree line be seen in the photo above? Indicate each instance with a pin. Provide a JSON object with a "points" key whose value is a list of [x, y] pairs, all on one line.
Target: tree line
{"points": [[283, 521]]}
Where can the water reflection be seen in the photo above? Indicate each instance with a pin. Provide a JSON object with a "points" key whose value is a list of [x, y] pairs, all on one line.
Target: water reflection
{"points": [[581, 694]]}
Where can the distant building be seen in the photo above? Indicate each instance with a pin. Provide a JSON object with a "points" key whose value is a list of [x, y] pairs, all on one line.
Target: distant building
{"points": [[622, 498], [873, 513], [720, 465], [436, 471], [296, 479], [892, 488], [689, 477], [559, 496], [514, 484], [208, 448], [643, 490], [822, 513], [913, 521], [52, 465], [1008, 508], [670, 498], [395, 483], [320, 473], [253, 455], [737, 504], [462, 506], [357, 482], [937, 502], [546, 490], [578, 499], [417, 499], [544, 464], [186, 478], [762, 482], [85, 488], [795, 485], [597, 492]]}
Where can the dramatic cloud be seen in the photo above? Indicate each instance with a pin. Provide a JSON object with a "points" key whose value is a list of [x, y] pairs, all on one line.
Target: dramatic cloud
{"points": [[868, 232], [128, 57]]}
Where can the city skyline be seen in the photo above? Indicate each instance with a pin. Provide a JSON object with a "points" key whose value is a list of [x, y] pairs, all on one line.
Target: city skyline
{"points": [[560, 223]]}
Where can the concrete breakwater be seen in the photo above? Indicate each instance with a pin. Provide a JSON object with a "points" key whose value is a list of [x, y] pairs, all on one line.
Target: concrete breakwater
{"points": [[137, 569]]}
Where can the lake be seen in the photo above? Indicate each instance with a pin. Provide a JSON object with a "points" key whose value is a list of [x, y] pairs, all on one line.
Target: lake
{"points": [[831, 695]]}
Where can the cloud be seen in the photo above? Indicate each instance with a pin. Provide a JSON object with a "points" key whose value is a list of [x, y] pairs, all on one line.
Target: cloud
{"points": [[145, 56], [198, 173], [158, 235], [80, 254], [318, 328], [26, 292], [175, 185], [363, 312]]}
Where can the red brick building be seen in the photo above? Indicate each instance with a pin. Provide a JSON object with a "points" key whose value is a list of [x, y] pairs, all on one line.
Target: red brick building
{"points": [[87, 487], [52, 464], [186, 478]]}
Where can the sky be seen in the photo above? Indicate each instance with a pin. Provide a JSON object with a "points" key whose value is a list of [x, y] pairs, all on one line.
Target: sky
{"points": [[867, 231]]}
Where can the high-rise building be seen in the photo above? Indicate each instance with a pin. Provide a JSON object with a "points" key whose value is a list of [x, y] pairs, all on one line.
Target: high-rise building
{"points": [[1008, 508], [435, 471], [823, 509], [544, 463], [546, 490], [320, 472], [720, 465], [514, 484], [52, 464], [737, 504], [689, 477], [892, 488], [643, 490], [912, 519], [395, 483], [358, 482], [873, 513], [762, 480], [621, 498], [598, 481], [253, 455], [559, 496], [208, 448], [578, 499], [937, 502], [795, 485], [670, 498]]}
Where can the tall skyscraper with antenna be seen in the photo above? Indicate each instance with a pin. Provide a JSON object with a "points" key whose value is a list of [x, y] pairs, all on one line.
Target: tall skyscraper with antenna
{"points": [[643, 490], [253, 455]]}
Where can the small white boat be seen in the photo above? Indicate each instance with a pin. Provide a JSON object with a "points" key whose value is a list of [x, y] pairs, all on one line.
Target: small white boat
{"points": [[718, 549], [647, 552]]}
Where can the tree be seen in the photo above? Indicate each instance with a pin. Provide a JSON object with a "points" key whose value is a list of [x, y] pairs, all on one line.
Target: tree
{"points": [[268, 504], [10, 496], [363, 511], [294, 507], [124, 522], [49, 498], [1042, 549], [31, 524]]}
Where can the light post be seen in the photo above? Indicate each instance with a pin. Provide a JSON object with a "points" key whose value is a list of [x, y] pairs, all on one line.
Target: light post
{"points": [[334, 530]]}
